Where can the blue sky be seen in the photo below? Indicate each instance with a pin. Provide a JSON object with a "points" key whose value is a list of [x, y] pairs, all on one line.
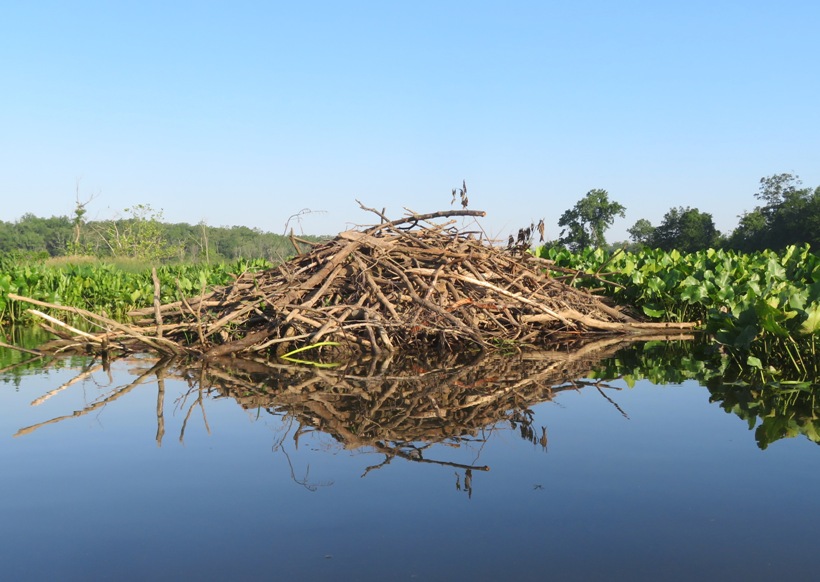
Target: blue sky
{"points": [[245, 113]]}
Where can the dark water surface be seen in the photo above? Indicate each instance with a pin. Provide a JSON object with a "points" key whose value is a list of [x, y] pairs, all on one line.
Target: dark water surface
{"points": [[643, 483]]}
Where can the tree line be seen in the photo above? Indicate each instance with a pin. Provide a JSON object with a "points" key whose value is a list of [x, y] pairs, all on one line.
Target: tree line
{"points": [[787, 214], [142, 235]]}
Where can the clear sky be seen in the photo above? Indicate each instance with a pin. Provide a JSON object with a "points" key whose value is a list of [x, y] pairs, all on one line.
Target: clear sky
{"points": [[246, 112]]}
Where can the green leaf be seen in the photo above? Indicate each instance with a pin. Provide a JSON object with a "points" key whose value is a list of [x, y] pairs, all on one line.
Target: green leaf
{"points": [[754, 362], [812, 323], [651, 312]]}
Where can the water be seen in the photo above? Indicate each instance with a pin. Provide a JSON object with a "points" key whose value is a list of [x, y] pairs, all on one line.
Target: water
{"points": [[172, 478]]}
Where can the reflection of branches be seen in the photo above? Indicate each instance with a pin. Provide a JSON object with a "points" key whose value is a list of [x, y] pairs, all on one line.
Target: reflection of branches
{"points": [[468, 483], [522, 420], [89, 370], [615, 404], [412, 452], [19, 364], [199, 402], [313, 487], [598, 385], [396, 411], [198, 386], [403, 408], [279, 446], [142, 378], [160, 408]]}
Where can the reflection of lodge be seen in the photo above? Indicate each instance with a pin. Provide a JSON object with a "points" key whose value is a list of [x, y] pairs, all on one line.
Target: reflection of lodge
{"points": [[399, 409], [403, 413]]}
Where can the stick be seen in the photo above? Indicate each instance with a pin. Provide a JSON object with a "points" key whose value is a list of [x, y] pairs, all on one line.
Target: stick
{"points": [[419, 217], [74, 330], [19, 349], [156, 343], [157, 312]]}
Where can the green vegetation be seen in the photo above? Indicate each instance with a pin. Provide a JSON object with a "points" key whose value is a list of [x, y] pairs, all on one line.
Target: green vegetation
{"points": [[762, 309], [105, 287], [787, 214]]}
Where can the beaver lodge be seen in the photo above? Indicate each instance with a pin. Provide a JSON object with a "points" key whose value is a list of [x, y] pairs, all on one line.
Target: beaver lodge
{"points": [[411, 285]]}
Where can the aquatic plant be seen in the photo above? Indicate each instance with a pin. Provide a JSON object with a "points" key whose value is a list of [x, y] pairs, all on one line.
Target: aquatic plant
{"points": [[762, 308]]}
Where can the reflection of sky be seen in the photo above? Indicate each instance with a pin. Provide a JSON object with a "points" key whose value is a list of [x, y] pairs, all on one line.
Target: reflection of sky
{"points": [[677, 491]]}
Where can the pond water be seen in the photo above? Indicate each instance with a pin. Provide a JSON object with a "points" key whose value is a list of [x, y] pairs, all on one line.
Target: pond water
{"points": [[148, 471]]}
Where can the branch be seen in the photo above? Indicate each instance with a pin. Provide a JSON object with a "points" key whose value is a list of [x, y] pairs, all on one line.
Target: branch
{"points": [[418, 217]]}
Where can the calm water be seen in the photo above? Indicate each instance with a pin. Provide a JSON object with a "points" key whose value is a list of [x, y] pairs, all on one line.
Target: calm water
{"points": [[162, 480]]}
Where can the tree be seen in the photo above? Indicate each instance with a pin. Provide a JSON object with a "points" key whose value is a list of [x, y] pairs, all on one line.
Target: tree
{"points": [[750, 234], [775, 188], [641, 232], [790, 215], [584, 224], [78, 221], [142, 236], [685, 229]]}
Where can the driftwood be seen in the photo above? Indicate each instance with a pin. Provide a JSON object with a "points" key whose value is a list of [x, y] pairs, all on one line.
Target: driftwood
{"points": [[411, 284]]}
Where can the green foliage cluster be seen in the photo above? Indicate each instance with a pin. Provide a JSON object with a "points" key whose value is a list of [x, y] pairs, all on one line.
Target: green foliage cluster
{"points": [[585, 223], [774, 409], [788, 215], [106, 288], [762, 308], [684, 229]]}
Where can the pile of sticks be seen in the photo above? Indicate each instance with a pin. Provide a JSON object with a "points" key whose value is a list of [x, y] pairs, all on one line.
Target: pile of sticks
{"points": [[403, 285]]}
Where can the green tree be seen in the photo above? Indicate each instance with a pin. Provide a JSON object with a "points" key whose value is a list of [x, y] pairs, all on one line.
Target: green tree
{"points": [[789, 215], [39, 235], [685, 229], [641, 232], [141, 236], [750, 234], [775, 189], [584, 224]]}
